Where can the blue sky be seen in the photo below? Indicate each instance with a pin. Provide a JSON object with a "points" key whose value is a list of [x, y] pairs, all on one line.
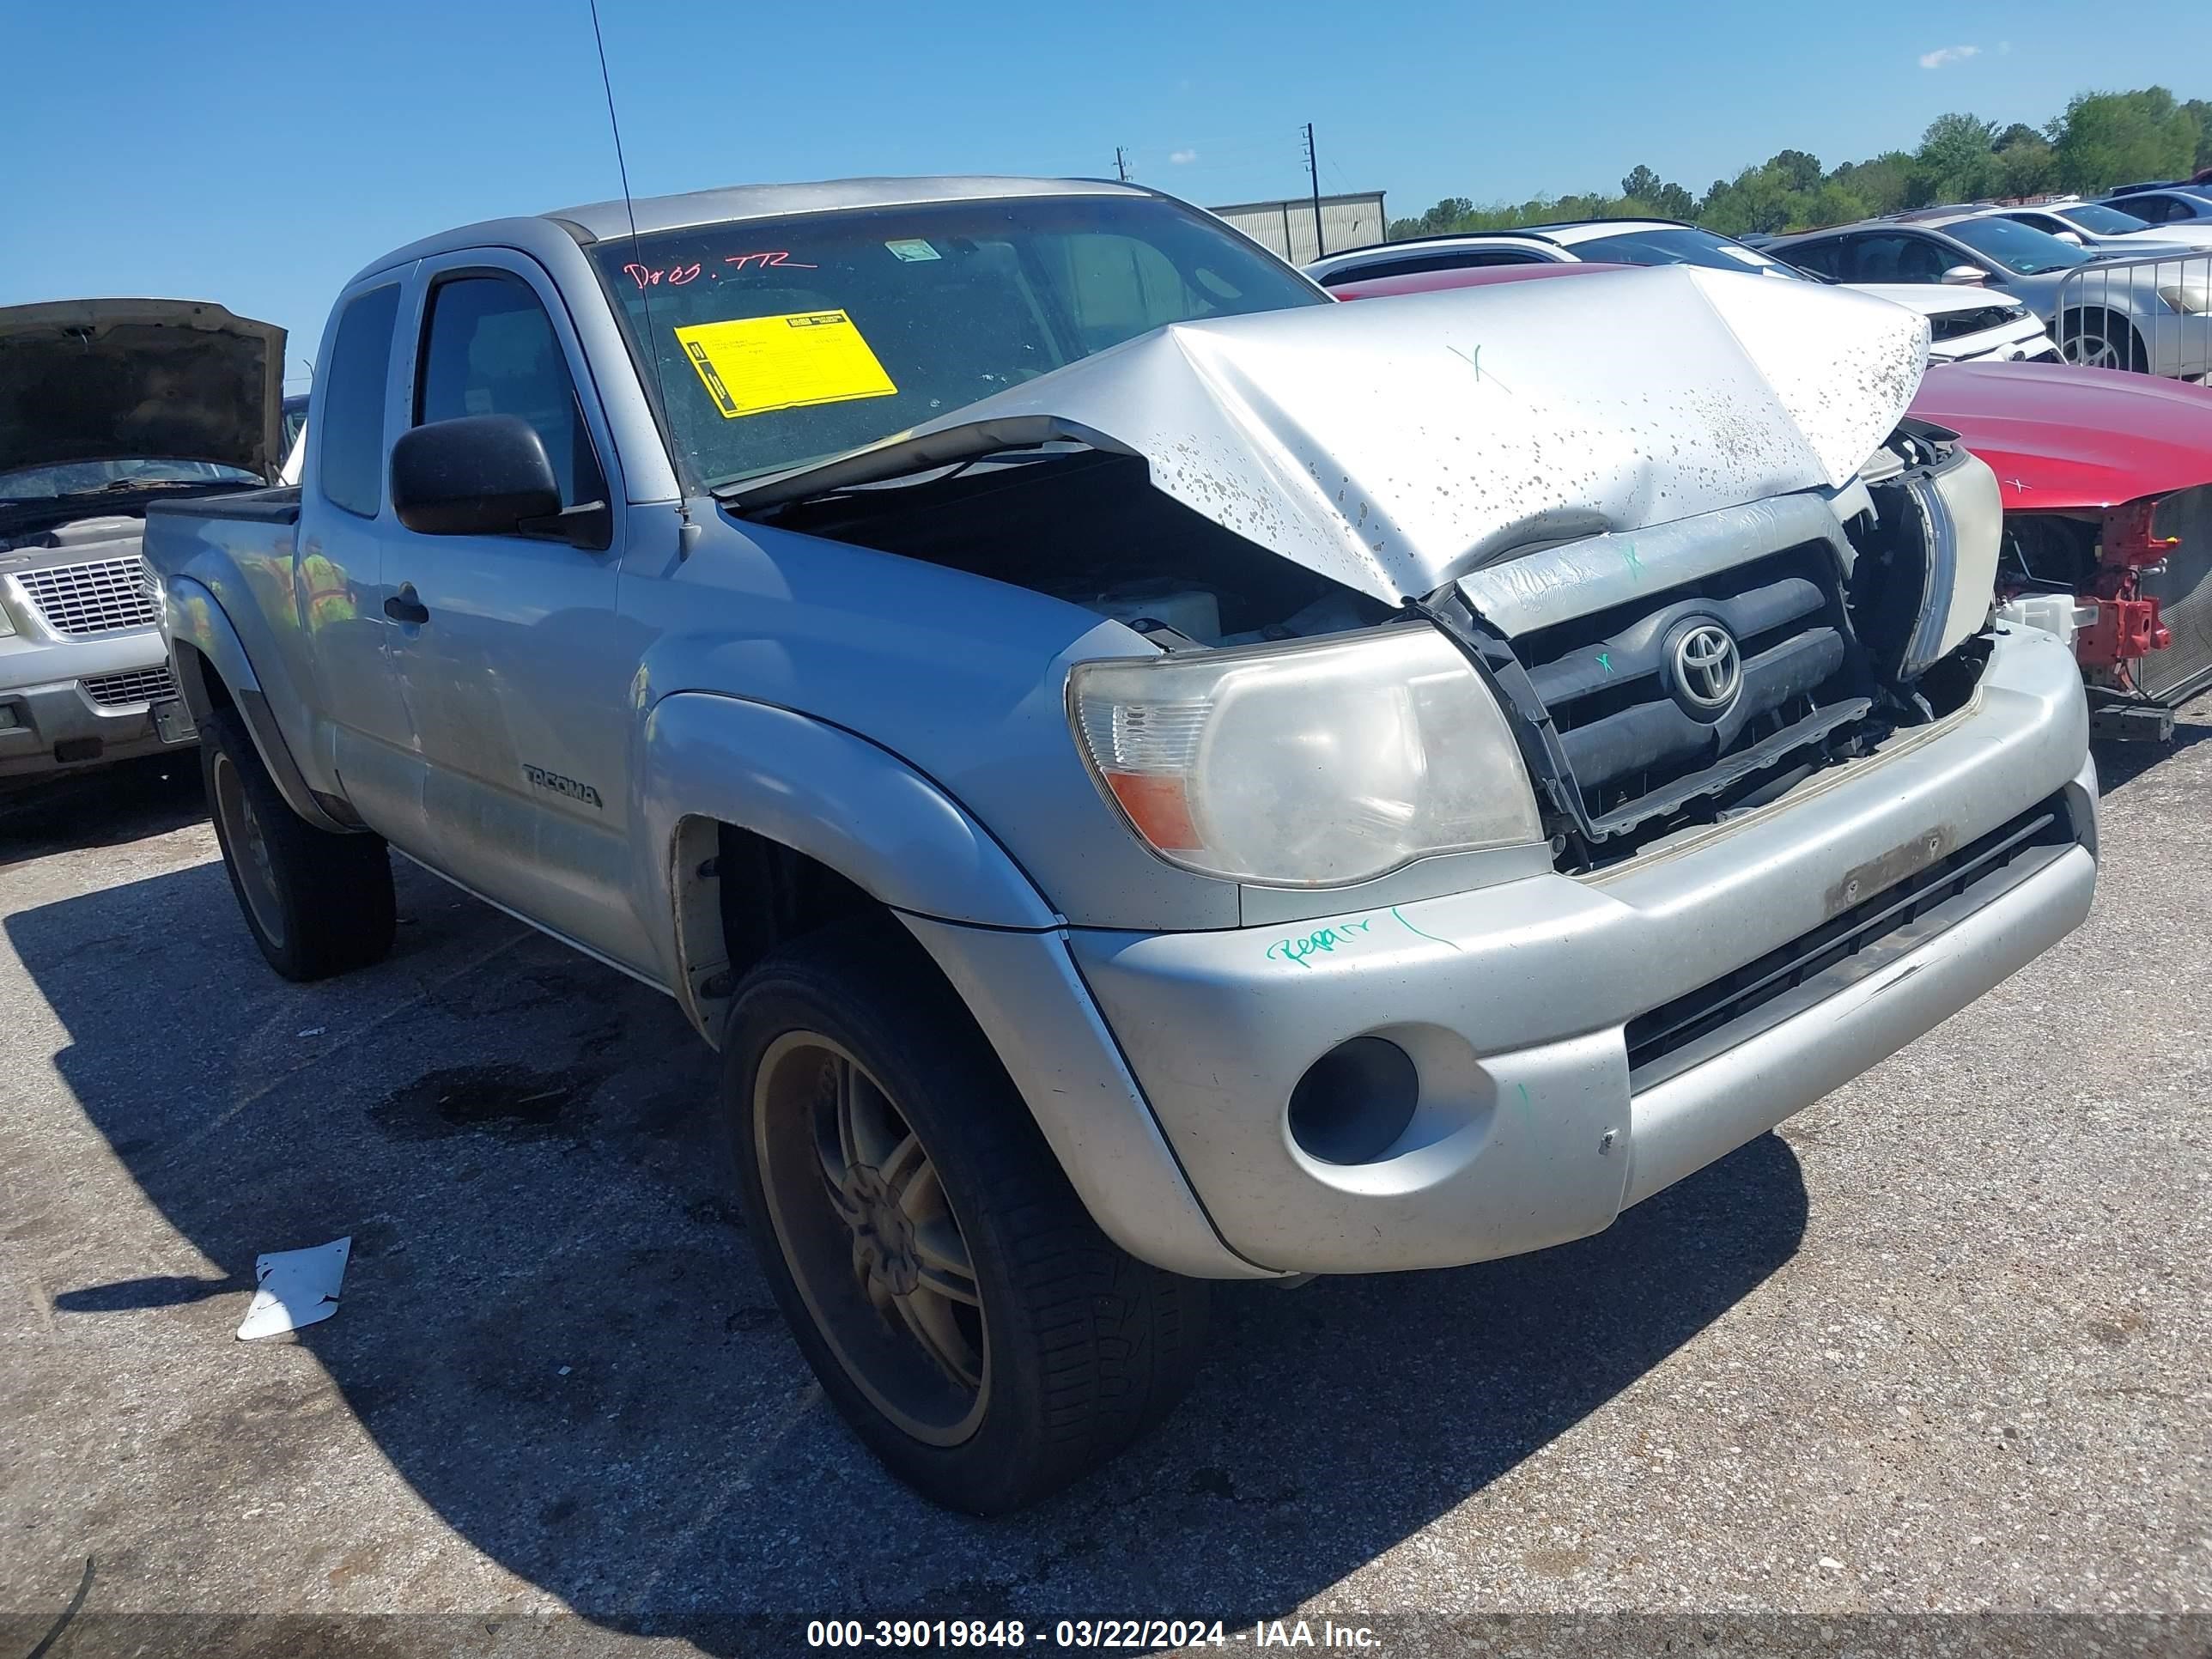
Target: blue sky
{"points": [[259, 155]]}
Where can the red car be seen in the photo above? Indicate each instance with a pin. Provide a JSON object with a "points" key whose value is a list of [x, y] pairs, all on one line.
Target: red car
{"points": [[2106, 479]]}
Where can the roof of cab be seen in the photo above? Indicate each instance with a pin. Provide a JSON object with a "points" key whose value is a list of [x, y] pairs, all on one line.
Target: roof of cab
{"points": [[600, 219], [595, 222]]}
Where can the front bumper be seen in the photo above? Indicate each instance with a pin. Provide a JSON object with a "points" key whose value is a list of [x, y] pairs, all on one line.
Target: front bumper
{"points": [[50, 720], [1515, 1001], [2028, 341]]}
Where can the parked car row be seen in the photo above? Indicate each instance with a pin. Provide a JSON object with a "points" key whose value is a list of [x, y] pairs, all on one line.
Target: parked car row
{"points": [[2099, 312], [2106, 228], [1964, 325]]}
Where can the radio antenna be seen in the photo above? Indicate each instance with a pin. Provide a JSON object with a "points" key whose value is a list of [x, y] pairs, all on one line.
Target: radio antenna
{"points": [[636, 250]]}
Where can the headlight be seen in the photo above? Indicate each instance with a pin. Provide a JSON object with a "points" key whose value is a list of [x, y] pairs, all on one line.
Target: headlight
{"points": [[2191, 300], [1305, 765]]}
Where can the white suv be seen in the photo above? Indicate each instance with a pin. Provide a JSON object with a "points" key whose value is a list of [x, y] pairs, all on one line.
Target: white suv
{"points": [[1964, 324]]}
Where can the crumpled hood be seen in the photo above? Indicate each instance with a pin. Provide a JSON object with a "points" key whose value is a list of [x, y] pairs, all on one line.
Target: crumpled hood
{"points": [[1394, 447], [2060, 438], [118, 380]]}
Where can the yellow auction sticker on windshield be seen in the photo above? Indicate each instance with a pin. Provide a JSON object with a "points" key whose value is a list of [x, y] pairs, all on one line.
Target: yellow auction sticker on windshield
{"points": [[755, 365]]}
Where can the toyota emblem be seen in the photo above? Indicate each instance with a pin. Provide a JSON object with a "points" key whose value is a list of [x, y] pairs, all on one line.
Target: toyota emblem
{"points": [[1707, 669]]}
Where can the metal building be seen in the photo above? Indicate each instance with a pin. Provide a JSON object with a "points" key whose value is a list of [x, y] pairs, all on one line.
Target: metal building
{"points": [[1287, 226]]}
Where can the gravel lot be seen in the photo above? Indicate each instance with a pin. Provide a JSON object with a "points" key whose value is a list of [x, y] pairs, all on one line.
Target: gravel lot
{"points": [[1942, 1343]]}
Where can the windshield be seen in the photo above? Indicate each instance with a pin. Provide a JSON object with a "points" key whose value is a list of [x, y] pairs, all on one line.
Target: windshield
{"points": [[48, 484], [1678, 244], [2022, 249], [785, 341], [2103, 221]]}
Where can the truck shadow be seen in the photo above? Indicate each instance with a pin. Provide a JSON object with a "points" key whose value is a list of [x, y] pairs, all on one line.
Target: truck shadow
{"points": [[553, 1329], [2122, 763], [103, 808]]}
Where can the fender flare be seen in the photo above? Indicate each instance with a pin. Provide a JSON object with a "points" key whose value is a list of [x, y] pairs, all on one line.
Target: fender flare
{"points": [[822, 790], [192, 615], [867, 813]]}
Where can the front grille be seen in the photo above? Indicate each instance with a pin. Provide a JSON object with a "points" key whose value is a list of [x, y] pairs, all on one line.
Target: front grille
{"points": [[106, 596], [1850, 945], [120, 690], [1633, 746], [1957, 324]]}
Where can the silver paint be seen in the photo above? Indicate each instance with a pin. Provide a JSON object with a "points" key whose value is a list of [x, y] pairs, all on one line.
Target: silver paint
{"points": [[1395, 446]]}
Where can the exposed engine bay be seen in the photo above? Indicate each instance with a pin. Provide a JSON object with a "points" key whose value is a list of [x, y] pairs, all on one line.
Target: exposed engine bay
{"points": [[2130, 588], [1086, 526], [1740, 653]]}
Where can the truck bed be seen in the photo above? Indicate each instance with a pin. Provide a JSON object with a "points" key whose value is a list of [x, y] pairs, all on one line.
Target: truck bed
{"points": [[279, 504]]}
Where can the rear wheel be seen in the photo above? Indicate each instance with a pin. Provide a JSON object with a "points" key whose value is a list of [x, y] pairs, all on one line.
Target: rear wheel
{"points": [[316, 903], [2101, 339], [962, 1310]]}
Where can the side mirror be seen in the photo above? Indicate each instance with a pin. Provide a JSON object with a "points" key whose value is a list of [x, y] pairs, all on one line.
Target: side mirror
{"points": [[2073, 236], [1964, 276], [476, 475]]}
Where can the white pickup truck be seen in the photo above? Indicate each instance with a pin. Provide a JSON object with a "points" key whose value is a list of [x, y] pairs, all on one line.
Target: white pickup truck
{"points": [[1147, 775]]}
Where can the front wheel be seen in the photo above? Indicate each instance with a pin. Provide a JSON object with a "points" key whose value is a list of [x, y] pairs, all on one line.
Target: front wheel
{"points": [[963, 1311], [2101, 339], [317, 903]]}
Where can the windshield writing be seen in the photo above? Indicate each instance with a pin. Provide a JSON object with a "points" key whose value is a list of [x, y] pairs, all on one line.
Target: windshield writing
{"points": [[784, 342]]}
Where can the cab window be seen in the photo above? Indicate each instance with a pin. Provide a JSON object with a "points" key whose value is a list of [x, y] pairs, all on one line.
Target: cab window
{"points": [[1825, 258], [1898, 259], [489, 349], [350, 440]]}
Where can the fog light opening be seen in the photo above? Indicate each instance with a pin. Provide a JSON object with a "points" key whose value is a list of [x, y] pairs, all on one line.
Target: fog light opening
{"points": [[1355, 1102]]}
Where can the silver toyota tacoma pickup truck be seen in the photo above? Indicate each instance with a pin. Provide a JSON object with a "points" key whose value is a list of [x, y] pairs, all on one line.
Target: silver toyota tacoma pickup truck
{"points": [[106, 405], [1147, 775]]}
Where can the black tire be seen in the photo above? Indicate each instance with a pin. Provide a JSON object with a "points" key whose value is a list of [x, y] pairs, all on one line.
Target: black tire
{"points": [[1079, 1347], [2084, 335], [316, 903]]}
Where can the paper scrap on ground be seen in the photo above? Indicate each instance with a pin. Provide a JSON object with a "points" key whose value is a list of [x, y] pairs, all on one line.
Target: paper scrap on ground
{"points": [[755, 365], [297, 1287]]}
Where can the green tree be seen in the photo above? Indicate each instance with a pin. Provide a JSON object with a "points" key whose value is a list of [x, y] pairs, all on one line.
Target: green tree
{"points": [[2029, 168], [1446, 215], [2018, 133], [2202, 112], [1656, 195], [2108, 138], [1832, 203], [1956, 160], [1799, 170], [1882, 182], [1756, 199]]}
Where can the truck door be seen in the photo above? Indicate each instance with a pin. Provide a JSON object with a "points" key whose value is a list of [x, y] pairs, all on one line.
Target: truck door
{"points": [[509, 655], [357, 720]]}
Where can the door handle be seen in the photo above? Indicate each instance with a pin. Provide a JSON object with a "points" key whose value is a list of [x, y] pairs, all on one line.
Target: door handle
{"points": [[404, 607]]}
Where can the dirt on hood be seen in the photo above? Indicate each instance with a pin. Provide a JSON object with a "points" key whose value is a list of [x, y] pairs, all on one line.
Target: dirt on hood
{"points": [[1394, 444]]}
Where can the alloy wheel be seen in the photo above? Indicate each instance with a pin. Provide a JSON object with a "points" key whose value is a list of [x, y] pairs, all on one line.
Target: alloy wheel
{"points": [[862, 1217]]}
